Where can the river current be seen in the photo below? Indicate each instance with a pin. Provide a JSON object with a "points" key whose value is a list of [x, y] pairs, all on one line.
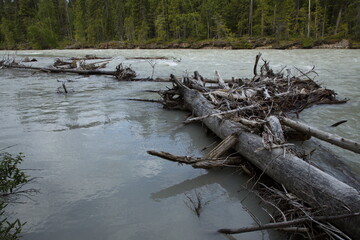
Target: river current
{"points": [[87, 149]]}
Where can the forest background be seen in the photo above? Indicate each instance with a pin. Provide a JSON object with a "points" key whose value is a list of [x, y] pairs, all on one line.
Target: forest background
{"points": [[44, 24]]}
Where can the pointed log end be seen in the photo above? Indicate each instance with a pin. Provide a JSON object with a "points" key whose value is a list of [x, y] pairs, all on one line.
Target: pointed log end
{"points": [[224, 231]]}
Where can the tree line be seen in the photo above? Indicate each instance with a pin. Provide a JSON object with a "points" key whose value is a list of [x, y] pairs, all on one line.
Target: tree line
{"points": [[55, 23]]}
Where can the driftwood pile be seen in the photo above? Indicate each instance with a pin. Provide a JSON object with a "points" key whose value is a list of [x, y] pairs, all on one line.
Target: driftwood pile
{"points": [[79, 66], [253, 116]]}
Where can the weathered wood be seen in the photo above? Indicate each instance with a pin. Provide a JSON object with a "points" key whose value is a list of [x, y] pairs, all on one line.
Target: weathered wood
{"points": [[247, 122], [64, 87], [276, 129], [338, 123], [228, 95], [221, 81], [328, 137], [219, 113], [256, 64], [306, 181], [58, 70], [96, 72], [223, 147], [198, 162], [278, 225]]}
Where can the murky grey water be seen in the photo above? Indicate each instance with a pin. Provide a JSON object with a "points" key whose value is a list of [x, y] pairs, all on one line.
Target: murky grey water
{"points": [[89, 147]]}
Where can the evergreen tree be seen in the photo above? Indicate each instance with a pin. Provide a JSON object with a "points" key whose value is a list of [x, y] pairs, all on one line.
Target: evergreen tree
{"points": [[42, 33], [45, 23]]}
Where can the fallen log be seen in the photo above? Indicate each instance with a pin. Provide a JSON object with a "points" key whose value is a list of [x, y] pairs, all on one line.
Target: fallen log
{"points": [[58, 70], [328, 137], [195, 162], [304, 180], [96, 72]]}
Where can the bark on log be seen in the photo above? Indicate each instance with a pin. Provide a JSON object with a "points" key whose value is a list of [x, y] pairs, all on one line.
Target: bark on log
{"points": [[306, 181], [328, 137]]}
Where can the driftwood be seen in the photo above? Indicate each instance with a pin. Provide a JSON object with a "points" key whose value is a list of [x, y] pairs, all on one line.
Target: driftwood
{"points": [[223, 147], [213, 159], [280, 225], [197, 162], [91, 69], [56, 70], [306, 181], [89, 57], [331, 138]]}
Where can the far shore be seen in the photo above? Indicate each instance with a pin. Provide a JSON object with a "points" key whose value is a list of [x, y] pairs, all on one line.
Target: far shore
{"points": [[212, 44]]}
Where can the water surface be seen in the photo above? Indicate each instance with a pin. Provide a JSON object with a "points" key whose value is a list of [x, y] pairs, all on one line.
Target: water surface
{"points": [[89, 147]]}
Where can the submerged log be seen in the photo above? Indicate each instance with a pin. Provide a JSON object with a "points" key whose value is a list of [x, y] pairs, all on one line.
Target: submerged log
{"points": [[306, 181]]}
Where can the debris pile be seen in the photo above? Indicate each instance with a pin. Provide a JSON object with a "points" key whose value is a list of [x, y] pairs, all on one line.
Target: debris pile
{"points": [[254, 117]]}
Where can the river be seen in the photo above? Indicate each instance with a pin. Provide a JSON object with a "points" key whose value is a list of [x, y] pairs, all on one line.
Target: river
{"points": [[87, 149]]}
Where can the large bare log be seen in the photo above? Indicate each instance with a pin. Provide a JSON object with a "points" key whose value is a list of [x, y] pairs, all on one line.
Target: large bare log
{"points": [[306, 181], [95, 72], [328, 137], [61, 70]]}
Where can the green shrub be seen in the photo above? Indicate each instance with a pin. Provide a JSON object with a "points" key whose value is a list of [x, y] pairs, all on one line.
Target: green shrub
{"points": [[11, 178], [41, 37]]}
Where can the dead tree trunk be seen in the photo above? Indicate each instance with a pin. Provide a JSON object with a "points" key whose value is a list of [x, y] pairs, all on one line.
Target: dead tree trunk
{"points": [[57, 70], [306, 181], [328, 137]]}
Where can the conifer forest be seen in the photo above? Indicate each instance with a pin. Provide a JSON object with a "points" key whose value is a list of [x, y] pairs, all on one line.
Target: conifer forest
{"points": [[45, 24]]}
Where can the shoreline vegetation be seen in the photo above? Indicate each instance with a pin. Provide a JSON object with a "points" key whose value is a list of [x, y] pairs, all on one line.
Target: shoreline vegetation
{"points": [[169, 24], [235, 44]]}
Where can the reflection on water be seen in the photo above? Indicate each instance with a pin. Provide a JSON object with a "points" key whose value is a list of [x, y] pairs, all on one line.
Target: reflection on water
{"points": [[96, 180]]}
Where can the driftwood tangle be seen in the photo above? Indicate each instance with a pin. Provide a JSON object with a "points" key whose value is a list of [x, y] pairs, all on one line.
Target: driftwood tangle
{"points": [[254, 109], [121, 73], [253, 117]]}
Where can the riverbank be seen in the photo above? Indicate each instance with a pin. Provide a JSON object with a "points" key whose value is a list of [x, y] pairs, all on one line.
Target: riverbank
{"points": [[264, 43], [238, 43]]}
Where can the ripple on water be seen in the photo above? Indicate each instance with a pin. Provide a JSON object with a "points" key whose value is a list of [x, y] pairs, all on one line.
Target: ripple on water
{"points": [[97, 182]]}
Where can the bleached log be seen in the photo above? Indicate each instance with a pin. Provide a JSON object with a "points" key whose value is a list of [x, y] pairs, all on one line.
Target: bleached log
{"points": [[58, 70], [220, 113], [276, 129], [221, 81], [223, 147], [228, 95], [328, 137], [199, 162], [306, 181], [247, 122]]}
